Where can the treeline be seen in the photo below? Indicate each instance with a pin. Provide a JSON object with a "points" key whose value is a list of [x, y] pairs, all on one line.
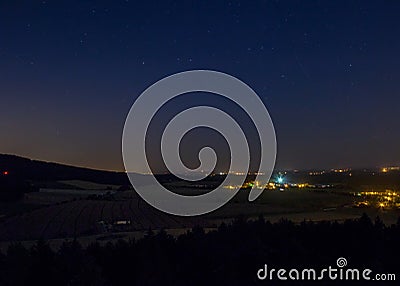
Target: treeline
{"points": [[230, 255]]}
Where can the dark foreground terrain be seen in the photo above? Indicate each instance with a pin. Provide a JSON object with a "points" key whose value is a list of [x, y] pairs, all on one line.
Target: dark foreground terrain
{"points": [[230, 255]]}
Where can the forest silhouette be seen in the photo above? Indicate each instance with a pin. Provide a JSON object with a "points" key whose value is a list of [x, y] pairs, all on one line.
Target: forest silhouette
{"points": [[230, 255]]}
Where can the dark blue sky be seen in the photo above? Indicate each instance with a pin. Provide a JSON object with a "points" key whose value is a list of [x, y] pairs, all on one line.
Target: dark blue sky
{"points": [[328, 71]]}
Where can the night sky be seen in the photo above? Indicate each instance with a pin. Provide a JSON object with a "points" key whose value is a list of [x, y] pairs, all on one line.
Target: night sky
{"points": [[328, 72]]}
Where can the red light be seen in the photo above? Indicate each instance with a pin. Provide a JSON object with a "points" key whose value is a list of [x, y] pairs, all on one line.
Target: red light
{"points": [[5, 173]]}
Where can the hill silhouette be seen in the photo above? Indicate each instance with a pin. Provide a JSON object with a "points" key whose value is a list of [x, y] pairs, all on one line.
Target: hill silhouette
{"points": [[34, 170]]}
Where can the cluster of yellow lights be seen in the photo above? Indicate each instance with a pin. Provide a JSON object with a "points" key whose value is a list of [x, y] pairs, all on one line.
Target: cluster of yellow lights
{"points": [[230, 187], [387, 198], [389, 193], [387, 169], [369, 193], [341, 170], [270, 185]]}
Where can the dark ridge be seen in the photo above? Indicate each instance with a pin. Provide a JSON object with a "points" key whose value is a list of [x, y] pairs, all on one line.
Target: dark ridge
{"points": [[27, 169]]}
